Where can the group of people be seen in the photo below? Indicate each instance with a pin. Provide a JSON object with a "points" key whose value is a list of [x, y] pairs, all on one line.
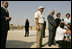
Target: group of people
{"points": [[27, 28], [57, 27]]}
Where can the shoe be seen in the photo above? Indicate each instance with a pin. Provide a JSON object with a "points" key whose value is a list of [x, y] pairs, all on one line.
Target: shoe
{"points": [[54, 44], [42, 46], [49, 45], [37, 47]]}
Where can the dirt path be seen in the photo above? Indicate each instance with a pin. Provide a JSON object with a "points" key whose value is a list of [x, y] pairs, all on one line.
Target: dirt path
{"points": [[16, 39]]}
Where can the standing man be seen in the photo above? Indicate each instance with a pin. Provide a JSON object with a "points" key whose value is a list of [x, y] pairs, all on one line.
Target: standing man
{"points": [[39, 19], [52, 28], [4, 23]]}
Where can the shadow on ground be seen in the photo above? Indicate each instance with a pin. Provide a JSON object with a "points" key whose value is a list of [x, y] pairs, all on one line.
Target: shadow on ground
{"points": [[18, 44]]}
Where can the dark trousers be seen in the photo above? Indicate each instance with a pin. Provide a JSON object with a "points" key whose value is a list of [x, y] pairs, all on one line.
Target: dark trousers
{"points": [[51, 37], [63, 44], [43, 32], [26, 32], [3, 38]]}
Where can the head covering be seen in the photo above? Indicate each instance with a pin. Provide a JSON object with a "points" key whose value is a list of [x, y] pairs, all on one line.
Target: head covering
{"points": [[41, 7]]}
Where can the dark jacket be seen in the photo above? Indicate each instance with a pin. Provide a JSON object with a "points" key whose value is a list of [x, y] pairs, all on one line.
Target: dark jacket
{"points": [[57, 20], [4, 22], [51, 22], [26, 25]]}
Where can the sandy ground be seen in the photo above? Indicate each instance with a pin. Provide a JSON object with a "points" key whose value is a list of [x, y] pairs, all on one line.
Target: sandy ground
{"points": [[16, 39]]}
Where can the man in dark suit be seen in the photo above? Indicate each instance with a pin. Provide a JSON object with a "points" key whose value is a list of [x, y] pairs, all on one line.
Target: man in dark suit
{"points": [[4, 23], [51, 28]]}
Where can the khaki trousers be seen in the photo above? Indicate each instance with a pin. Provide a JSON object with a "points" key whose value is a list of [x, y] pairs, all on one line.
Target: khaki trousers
{"points": [[39, 36]]}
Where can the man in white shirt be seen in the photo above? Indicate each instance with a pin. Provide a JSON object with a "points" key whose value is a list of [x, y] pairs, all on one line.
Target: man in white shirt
{"points": [[60, 35], [39, 19]]}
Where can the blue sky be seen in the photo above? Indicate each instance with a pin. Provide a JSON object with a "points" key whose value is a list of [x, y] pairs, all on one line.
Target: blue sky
{"points": [[20, 10]]}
